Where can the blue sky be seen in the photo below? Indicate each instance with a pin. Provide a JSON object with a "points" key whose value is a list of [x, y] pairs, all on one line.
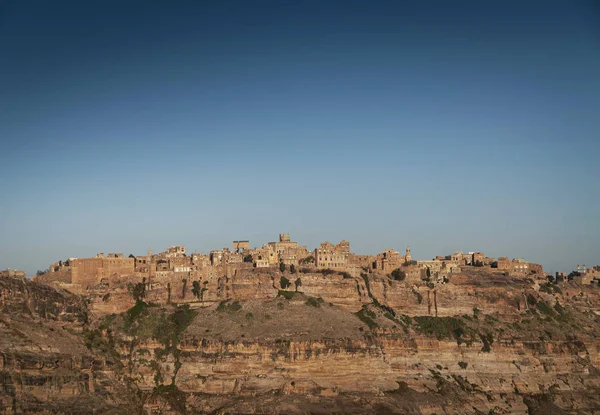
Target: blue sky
{"points": [[444, 125]]}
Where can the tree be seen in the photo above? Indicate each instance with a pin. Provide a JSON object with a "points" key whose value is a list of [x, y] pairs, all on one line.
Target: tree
{"points": [[298, 283], [398, 274], [284, 282], [248, 258], [168, 293], [292, 269], [139, 291], [282, 267], [184, 288], [40, 272], [428, 274], [196, 289]]}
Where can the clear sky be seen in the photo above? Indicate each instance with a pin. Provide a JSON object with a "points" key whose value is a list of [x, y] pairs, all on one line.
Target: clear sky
{"points": [[446, 125]]}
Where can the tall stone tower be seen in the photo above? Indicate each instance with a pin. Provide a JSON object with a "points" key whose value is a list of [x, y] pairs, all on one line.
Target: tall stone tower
{"points": [[408, 258]]}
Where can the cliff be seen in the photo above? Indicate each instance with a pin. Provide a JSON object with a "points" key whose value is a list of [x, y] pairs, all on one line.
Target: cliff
{"points": [[45, 364], [483, 343]]}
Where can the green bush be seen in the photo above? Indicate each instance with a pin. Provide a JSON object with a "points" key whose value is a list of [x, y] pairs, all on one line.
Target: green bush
{"points": [[282, 267], [284, 282]]}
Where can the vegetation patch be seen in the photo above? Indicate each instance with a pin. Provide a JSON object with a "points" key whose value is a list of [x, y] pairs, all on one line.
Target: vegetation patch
{"points": [[284, 282], [229, 308], [368, 317], [442, 327], [288, 295], [487, 339], [173, 396], [398, 274], [418, 295], [315, 302]]}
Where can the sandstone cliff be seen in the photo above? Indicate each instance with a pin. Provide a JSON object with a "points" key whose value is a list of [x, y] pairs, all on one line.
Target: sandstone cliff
{"points": [[481, 344], [45, 364]]}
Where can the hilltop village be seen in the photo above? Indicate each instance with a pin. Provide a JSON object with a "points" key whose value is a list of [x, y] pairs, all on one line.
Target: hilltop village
{"points": [[175, 264]]}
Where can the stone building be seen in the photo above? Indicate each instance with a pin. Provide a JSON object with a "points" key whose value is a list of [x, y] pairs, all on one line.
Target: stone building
{"points": [[14, 273], [175, 251], [389, 260], [361, 261], [241, 246], [477, 258], [217, 257], [89, 271], [332, 256], [200, 260], [286, 251], [434, 266]]}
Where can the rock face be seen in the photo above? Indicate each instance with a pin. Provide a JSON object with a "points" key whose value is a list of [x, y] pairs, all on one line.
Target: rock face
{"points": [[482, 343], [45, 365]]}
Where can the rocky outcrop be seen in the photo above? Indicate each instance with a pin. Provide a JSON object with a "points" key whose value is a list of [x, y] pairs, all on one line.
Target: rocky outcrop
{"points": [[45, 365]]}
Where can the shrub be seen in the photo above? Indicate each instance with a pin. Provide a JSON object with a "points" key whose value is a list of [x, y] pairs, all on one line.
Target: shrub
{"points": [[327, 271], [308, 260], [284, 282], [288, 295], [233, 307], [138, 291], [248, 258], [487, 339], [418, 295], [298, 283], [282, 267], [196, 289], [367, 317], [345, 274], [441, 327], [184, 288], [463, 365], [315, 302], [292, 269], [398, 274], [545, 308]]}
